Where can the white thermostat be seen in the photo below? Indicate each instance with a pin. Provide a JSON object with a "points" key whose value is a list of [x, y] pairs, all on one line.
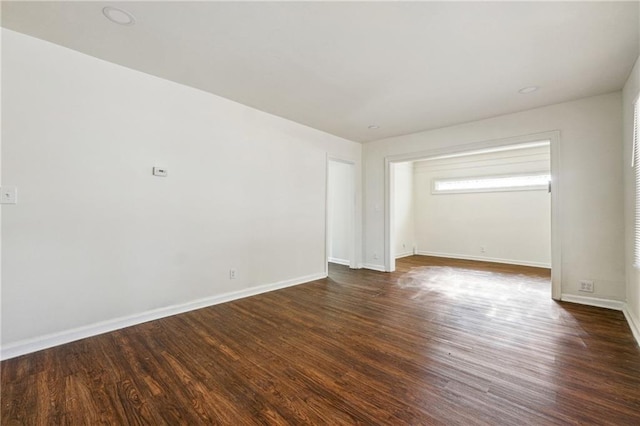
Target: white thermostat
{"points": [[160, 171]]}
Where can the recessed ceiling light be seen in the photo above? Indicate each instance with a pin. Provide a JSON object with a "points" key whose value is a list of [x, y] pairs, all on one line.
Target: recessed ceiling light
{"points": [[529, 89], [374, 127], [118, 16]]}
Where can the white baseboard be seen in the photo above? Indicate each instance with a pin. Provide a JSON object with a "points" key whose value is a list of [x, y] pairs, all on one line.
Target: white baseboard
{"points": [[339, 261], [593, 301], [379, 268], [405, 254], [634, 323], [26, 346], [485, 259]]}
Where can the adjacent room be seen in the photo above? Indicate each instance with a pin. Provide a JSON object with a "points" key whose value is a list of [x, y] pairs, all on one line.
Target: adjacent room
{"points": [[489, 205], [320, 213]]}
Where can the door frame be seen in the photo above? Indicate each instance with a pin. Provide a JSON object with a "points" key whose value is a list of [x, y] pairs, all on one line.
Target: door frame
{"points": [[556, 242], [353, 262]]}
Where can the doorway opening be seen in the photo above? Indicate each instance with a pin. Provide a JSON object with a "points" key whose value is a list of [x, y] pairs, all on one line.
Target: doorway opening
{"points": [[489, 201], [341, 209]]}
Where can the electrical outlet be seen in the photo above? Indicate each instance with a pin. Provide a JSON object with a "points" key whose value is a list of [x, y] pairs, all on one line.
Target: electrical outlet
{"points": [[586, 286], [483, 249], [232, 274], [8, 195], [375, 256]]}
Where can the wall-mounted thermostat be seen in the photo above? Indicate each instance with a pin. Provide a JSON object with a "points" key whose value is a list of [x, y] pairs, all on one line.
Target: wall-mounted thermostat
{"points": [[160, 171]]}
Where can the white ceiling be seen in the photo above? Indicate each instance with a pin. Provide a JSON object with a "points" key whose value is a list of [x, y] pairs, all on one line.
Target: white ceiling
{"points": [[340, 67]]}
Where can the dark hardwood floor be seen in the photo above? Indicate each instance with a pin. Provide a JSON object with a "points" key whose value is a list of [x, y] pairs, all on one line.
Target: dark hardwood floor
{"points": [[440, 341]]}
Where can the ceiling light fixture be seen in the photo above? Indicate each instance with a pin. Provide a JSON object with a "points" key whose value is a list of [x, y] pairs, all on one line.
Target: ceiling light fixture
{"points": [[529, 89], [374, 127], [118, 16]]}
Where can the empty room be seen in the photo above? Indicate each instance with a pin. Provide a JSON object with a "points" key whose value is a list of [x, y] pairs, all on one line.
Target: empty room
{"points": [[320, 213]]}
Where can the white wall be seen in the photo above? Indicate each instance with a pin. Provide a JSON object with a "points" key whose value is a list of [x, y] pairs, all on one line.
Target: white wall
{"points": [[340, 226], [95, 237], [590, 183], [403, 217], [629, 95], [508, 227]]}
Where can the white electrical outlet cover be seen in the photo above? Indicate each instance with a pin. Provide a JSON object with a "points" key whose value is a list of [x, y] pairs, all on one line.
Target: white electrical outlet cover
{"points": [[586, 286], [8, 195]]}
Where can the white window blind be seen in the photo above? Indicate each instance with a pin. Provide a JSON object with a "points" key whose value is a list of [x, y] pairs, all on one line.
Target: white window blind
{"points": [[635, 162], [492, 183]]}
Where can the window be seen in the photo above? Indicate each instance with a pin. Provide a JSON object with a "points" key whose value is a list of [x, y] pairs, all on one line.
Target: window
{"points": [[533, 181], [635, 162]]}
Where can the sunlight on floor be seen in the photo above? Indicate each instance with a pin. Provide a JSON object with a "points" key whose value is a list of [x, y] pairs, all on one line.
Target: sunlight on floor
{"points": [[492, 289], [456, 282]]}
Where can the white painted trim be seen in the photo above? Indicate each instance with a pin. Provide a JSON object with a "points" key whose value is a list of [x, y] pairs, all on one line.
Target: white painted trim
{"points": [[54, 339], [405, 254], [389, 215], [593, 301], [379, 268], [340, 261], [634, 323], [556, 239], [556, 243], [486, 259]]}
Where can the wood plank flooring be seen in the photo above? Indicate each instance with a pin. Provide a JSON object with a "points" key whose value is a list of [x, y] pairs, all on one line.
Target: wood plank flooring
{"points": [[440, 341]]}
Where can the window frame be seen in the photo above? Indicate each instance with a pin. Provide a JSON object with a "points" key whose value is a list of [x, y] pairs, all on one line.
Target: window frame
{"points": [[541, 187]]}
